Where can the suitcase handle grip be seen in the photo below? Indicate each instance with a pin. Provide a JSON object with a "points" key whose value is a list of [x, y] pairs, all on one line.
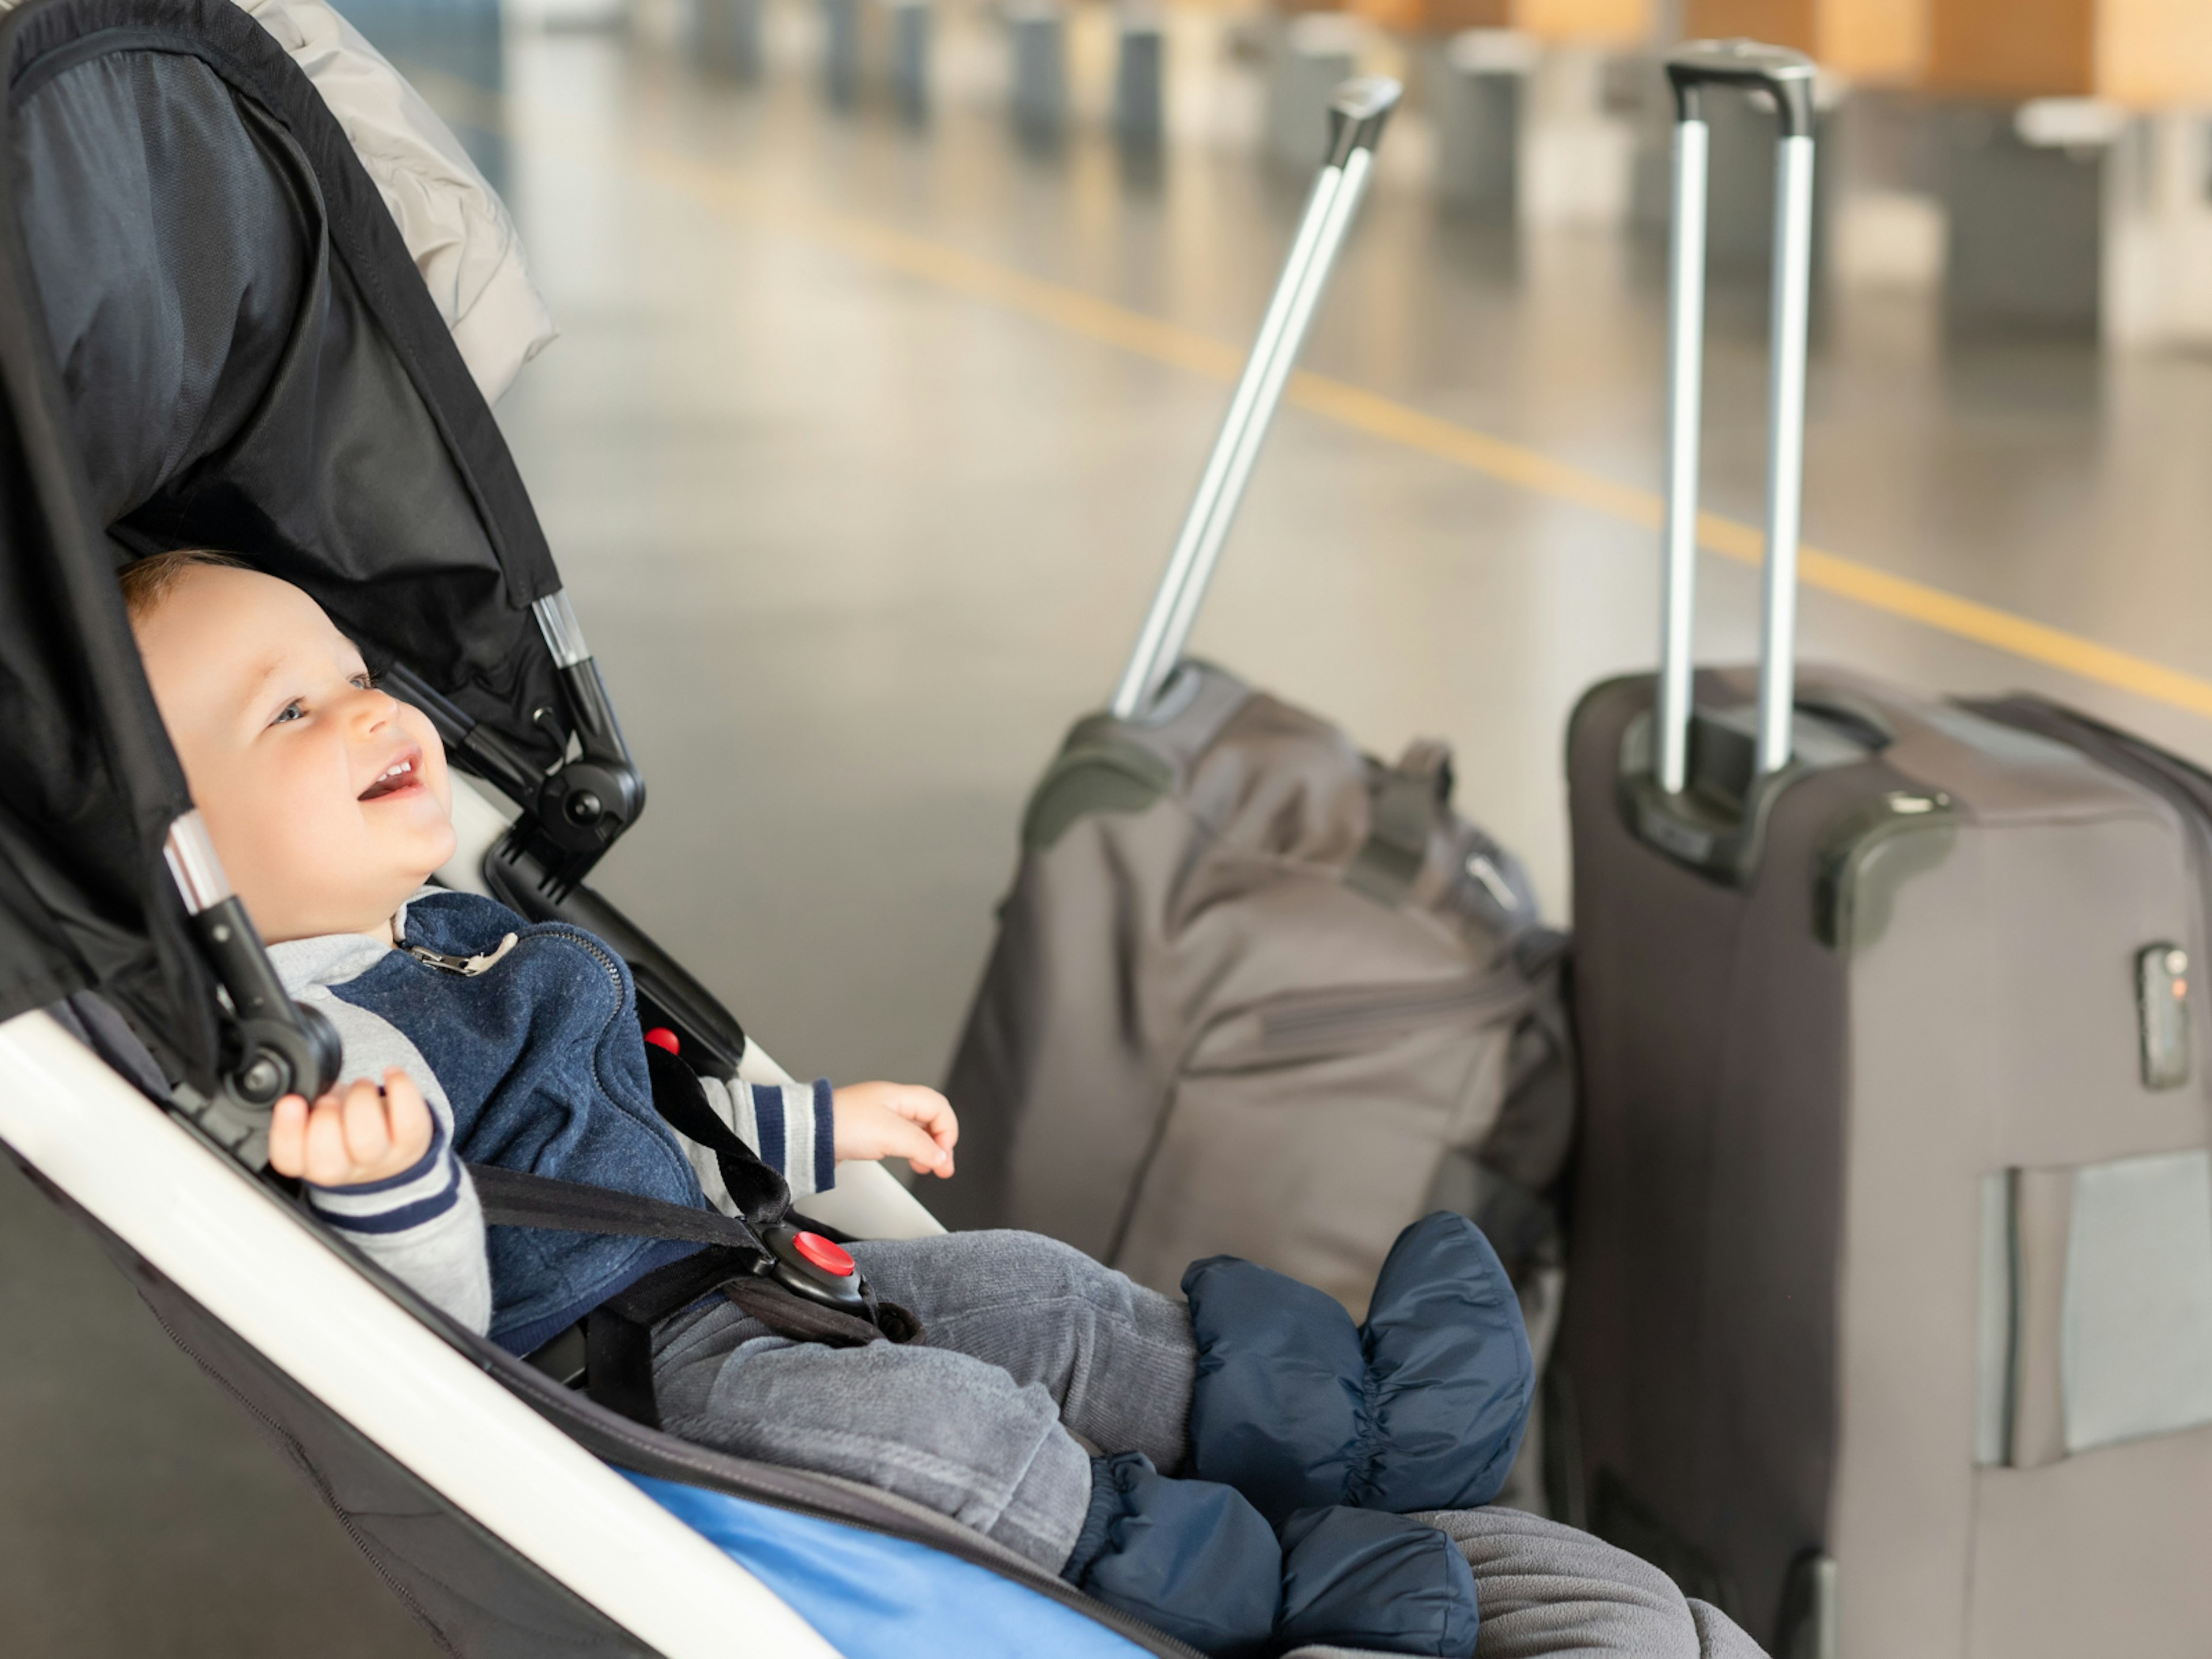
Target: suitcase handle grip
{"points": [[1358, 112], [1787, 78]]}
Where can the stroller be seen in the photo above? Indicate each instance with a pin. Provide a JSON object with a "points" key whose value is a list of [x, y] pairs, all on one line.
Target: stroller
{"points": [[212, 333]]}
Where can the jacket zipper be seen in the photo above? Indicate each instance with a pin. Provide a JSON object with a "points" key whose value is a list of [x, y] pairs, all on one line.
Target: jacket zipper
{"points": [[466, 967]]}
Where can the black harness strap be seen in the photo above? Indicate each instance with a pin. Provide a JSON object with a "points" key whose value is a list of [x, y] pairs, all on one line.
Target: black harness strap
{"points": [[761, 1194], [618, 1332], [514, 1198]]}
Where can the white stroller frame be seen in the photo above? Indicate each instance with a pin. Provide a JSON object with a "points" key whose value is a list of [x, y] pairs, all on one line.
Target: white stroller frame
{"points": [[240, 1252]]}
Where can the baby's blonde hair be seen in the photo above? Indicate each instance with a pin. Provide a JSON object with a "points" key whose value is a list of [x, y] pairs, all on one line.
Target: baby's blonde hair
{"points": [[148, 581]]}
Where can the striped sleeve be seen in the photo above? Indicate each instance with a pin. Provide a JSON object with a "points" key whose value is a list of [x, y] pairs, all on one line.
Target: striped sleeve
{"points": [[424, 1225], [422, 1193], [790, 1125]]}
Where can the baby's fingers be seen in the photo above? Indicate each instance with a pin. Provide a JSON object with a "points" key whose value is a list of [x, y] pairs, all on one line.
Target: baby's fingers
{"points": [[324, 1161], [367, 1134], [908, 1141], [409, 1115], [931, 1110], [287, 1136]]}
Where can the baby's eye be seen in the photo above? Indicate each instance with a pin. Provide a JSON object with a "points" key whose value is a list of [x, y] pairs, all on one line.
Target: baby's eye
{"points": [[365, 680], [291, 711]]}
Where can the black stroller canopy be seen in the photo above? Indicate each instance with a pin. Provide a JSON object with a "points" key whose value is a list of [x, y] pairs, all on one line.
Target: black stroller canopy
{"points": [[211, 334]]}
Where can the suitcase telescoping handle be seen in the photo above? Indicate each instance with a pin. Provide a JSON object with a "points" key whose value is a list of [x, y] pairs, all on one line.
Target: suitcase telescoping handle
{"points": [[1786, 78], [1356, 113]]}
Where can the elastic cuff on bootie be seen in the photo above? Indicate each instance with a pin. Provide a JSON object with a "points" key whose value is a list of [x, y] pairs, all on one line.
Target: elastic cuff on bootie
{"points": [[1276, 1407], [1361, 1578], [1450, 1376], [1422, 1408], [1189, 1557]]}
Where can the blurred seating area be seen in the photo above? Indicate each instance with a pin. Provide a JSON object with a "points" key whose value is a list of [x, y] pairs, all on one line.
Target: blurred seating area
{"points": [[2046, 163]]}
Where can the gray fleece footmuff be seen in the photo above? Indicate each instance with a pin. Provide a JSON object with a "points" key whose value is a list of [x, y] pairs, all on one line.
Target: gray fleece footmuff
{"points": [[1420, 1408], [1550, 1592]]}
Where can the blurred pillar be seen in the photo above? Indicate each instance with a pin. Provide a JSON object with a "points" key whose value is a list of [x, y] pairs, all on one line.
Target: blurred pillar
{"points": [[2024, 191], [726, 35], [1037, 32], [1578, 140], [1140, 78], [2056, 159], [1313, 55], [1477, 92], [841, 50], [911, 22]]}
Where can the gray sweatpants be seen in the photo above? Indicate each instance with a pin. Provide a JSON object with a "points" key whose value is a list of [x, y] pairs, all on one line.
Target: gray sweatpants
{"points": [[1029, 1344]]}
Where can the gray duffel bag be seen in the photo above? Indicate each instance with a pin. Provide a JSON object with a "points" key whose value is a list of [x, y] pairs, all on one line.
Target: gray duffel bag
{"points": [[1254, 993]]}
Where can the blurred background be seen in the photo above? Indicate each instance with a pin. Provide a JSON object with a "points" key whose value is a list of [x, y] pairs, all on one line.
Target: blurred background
{"points": [[893, 335]]}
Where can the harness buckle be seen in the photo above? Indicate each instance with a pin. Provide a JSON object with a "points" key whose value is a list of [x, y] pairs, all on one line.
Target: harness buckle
{"points": [[809, 1265]]}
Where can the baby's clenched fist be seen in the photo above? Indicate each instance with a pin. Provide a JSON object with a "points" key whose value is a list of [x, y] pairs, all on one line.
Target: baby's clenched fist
{"points": [[896, 1120], [353, 1135]]}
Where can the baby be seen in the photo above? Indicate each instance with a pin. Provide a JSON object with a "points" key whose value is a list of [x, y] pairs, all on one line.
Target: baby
{"points": [[1239, 1469]]}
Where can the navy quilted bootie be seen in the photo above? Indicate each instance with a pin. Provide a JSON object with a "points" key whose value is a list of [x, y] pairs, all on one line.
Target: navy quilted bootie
{"points": [[1195, 1560], [1420, 1408]]}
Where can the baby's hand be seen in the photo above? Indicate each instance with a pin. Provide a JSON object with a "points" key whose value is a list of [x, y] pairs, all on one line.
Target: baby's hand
{"points": [[896, 1120], [352, 1135]]}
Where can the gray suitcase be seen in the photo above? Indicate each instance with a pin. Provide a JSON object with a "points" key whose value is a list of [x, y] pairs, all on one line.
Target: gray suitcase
{"points": [[1251, 991], [1890, 1322]]}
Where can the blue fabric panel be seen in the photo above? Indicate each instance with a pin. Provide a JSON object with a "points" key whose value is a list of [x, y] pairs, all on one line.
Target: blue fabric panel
{"points": [[873, 1597]]}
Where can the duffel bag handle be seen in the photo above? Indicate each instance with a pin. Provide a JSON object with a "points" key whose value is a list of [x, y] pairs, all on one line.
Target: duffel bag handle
{"points": [[1357, 114]]}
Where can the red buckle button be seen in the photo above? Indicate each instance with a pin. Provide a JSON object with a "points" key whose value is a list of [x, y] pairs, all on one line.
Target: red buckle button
{"points": [[822, 1254], [662, 1037]]}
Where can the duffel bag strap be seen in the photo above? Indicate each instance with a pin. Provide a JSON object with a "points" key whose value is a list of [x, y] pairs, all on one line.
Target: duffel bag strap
{"points": [[1405, 802]]}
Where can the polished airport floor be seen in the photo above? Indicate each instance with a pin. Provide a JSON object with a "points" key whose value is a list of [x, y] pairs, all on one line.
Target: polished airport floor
{"points": [[860, 450]]}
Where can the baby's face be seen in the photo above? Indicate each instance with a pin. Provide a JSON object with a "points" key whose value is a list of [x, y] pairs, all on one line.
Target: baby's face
{"points": [[328, 800]]}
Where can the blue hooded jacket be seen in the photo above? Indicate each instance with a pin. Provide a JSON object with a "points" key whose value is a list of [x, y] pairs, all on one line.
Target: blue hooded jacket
{"points": [[539, 1052]]}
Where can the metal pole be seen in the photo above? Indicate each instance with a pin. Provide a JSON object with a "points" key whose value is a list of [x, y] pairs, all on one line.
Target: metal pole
{"points": [[1160, 642], [1785, 455], [1356, 115], [1686, 342], [1342, 204]]}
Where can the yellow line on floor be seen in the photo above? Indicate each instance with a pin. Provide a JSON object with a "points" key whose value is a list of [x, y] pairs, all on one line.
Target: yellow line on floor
{"points": [[1092, 317]]}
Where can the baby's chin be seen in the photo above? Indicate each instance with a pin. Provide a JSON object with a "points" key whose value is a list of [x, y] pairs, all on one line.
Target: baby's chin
{"points": [[414, 848]]}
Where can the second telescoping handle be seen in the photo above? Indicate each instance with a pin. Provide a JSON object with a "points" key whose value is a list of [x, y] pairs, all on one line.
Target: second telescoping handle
{"points": [[1356, 113], [1786, 77]]}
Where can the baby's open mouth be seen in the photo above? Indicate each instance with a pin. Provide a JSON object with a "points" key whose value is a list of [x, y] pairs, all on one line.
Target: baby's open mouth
{"points": [[395, 777]]}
